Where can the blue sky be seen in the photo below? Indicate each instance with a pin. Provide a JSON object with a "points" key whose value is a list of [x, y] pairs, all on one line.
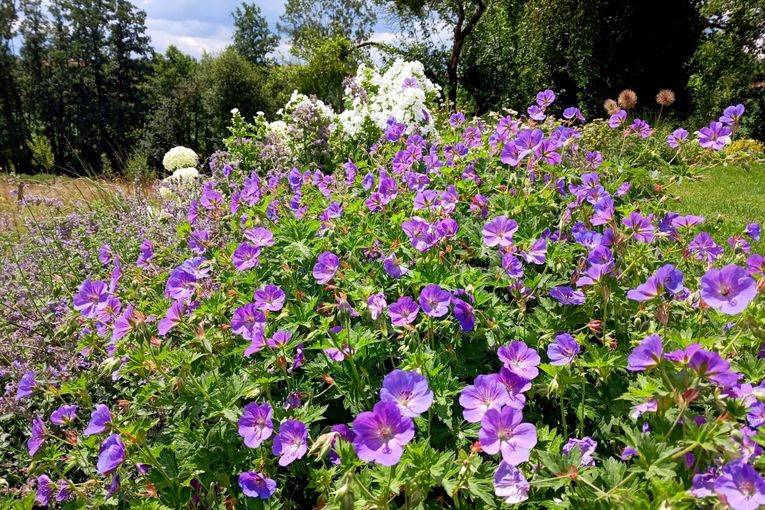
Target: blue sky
{"points": [[198, 26]]}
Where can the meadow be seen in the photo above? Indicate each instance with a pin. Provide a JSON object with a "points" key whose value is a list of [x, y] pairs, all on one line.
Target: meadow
{"points": [[397, 306]]}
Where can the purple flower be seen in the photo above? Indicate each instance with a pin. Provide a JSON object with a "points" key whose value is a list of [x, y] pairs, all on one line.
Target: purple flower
{"points": [[100, 421], [502, 431], [260, 237], [567, 295], [248, 322], [90, 298], [617, 119], [677, 137], [146, 253], [172, 318], [111, 454], [404, 311], [545, 98], [270, 297], [563, 350], [409, 390], [26, 387], [246, 256], [715, 136], [456, 119], [326, 267], [537, 253], [711, 366], [45, 487], [641, 226], [279, 339], [486, 392], [291, 443], [728, 290], [499, 231], [628, 453], [666, 277], [255, 425], [64, 414], [256, 485], [180, 285], [642, 128], [741, 486], [512, 266], [755, 265], [586, 447], [376, 304], [510, 484], [646, 407], [732, 114], [382, 433], [753, 230], [756, 415], [536, 113], [394, 267], [36, 439], [683, 356], [435, 301], [646, 355], [463, 312], [520, 359], [704, 248]]}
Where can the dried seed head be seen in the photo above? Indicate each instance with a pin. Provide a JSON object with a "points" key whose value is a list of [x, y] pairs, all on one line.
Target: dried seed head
{"points": [[610, 106], [627, 99], [665, 97]]}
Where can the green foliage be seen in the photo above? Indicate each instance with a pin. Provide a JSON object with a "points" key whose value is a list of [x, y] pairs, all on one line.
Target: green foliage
{"points": [[252, 38]]}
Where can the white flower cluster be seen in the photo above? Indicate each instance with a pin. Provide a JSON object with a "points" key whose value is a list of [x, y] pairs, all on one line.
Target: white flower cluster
{"points": [[402, 93], [300, 104], [179, 157]]}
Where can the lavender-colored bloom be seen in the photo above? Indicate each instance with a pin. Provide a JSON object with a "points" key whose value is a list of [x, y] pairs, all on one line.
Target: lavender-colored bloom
{"points": [[403, 311], [270, 297], [732, 114], [711, 366], [146, 253], [255, 425], [502, 431], [729, 290], [677, 137], [382, 433], [100, 421], [628, 453], [586, 446], [279, 339], [617, 119], [464, 314], [64, 414], [248, 322], [755, 265], [486, 392], [715, 136], [37, 437], [45, 487], [666, 277], [639, 410], [703, 484], [376, 304], [545, 98], [180, 285], [641, 226], [567, 295], [756, 415], [683, 356], [594, 159], [326, 267], [394, 267], [646, 355], [537, 253], [291, 443], [641, 127], [753, 230], [563, 350], [510, 484], [741, 486], [536, 113], [172, 318], [499, 232], [90, 298], [409, 390], [111, 454], [246, 256], [26, 386], [704, 248], [260, 237], [520, 359], [256, 485], [435, 301], [573, 112], [456, 119], [512, 265]]}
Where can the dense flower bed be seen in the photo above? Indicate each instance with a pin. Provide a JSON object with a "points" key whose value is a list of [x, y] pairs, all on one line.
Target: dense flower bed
{"points": [[502, 310]]}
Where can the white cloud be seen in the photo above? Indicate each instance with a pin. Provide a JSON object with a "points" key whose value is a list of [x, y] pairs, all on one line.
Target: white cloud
{"points": [[192, 36]]}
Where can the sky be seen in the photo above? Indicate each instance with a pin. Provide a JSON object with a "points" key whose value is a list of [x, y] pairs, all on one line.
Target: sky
{"points": [[198, 26]]}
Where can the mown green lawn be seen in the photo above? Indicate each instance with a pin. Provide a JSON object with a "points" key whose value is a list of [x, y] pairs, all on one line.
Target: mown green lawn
{"points": [[728, 197]]}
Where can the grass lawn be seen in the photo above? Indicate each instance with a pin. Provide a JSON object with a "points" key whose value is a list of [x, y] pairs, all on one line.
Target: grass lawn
{"points": [[728, 197]]}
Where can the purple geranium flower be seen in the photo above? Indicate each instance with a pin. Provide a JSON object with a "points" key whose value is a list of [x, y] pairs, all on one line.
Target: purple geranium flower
{"points": [[36, 439], [520, 359], [510, 484], [64, 415], [711, 366], [499, 232], [260, 237], [255, 425], [666, 277], [382, 433], [291, 443], [172, 318], [741, 486], [100, 421], [26, 386], [704, 248], [90, 298], [256, 485], [486, 392], [729, 290], [246, 256], [394, 267], [403, 311], [435, 301], [754, 231], [376, 304], [270, 297], [586, 446], [111, 454], [567, 295], [502, 431], [248, 322], [464, 314], [732, 114], [563, 350], [715, 136], [326, 267], [146, 254], [409, 390], [677, 137], [641, 227], [646, 355], [45, 487]]}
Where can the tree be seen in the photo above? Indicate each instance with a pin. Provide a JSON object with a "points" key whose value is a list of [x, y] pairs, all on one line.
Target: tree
{"points": [[308, 22], [252, 37]]}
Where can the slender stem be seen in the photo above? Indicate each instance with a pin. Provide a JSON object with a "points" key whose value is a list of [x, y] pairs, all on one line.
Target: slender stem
{"points": [[563, 415]]}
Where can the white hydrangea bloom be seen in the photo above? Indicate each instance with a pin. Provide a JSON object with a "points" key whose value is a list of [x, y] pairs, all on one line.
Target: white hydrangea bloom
{"points": [[179, 157], [185, 173]]}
